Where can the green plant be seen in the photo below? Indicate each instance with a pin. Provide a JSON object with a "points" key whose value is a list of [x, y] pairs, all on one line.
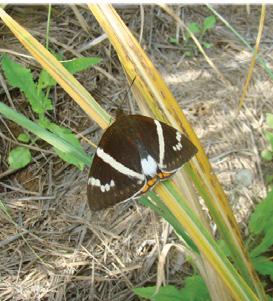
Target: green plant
{"points": [[199, 30], [260, 239], [259, 242], [36, 95], [194, 289]]}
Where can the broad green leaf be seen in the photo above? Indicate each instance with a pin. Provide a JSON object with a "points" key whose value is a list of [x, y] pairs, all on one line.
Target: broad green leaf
{"points": [[267, 155], [23, 137], [209, 23], [195, 289], [19, 157], [46, 80], [269, 120], [261, 218], [266, 242], [263, 265], [21, 77], [73, 66], [165, 293], [194, 28], [68, 136], [80, 64]]}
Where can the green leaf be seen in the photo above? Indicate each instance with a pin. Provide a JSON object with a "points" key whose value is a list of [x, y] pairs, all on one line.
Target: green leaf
{"points": [[267, 155], [269, 138], [209, 23], [19, 157], [23, 137], [165, 293], [194, 28], [263, 265], [80, 64], [173, 40], [44, 122], [21, 77], [266, 242], [195, 289], [269, 120], [46, 80], [261, 218], [73, 66], [68, 136], [207, 45]]}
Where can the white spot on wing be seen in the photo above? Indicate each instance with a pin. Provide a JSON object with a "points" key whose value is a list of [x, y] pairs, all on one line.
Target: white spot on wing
{"points": [[178, 136], [107, 187], [96, 182], [149, 166], [178, 146]]}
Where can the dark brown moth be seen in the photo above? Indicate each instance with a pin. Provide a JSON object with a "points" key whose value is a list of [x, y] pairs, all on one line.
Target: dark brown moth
{"points": [[134, 153]]}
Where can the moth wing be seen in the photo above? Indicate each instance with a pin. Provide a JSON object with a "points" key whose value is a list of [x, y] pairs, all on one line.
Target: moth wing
{"points": [[107, 187], [178, 149], [162, 140], [114, 178]]}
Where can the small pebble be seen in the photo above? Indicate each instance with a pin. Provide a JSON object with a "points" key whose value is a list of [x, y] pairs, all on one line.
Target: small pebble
{"points": [[244, 177]]}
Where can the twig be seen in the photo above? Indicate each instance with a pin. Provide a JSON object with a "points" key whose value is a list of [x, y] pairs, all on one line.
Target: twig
{"points": [[253, 60]]}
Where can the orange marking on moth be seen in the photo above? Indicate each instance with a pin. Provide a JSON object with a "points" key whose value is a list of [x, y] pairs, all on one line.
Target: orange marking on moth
{"points": [[149, 184], [163, 175]]}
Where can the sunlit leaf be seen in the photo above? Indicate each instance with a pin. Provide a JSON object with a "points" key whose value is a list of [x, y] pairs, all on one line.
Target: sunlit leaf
{"points": [[209, 23], [165, 293], [73, 66], [19, 157], [267, 155], [23, 137], [68, 136], [21, 77]]}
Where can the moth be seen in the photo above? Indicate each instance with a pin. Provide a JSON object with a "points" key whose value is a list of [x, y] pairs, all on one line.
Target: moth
{"points": [[134, 153]]}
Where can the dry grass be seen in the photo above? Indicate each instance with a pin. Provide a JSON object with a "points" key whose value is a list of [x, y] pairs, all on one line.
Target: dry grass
{"points": [[52, 247]]}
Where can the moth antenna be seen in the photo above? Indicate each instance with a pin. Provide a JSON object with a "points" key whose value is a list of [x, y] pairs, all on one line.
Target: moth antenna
{"points": [[119, 111]]}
